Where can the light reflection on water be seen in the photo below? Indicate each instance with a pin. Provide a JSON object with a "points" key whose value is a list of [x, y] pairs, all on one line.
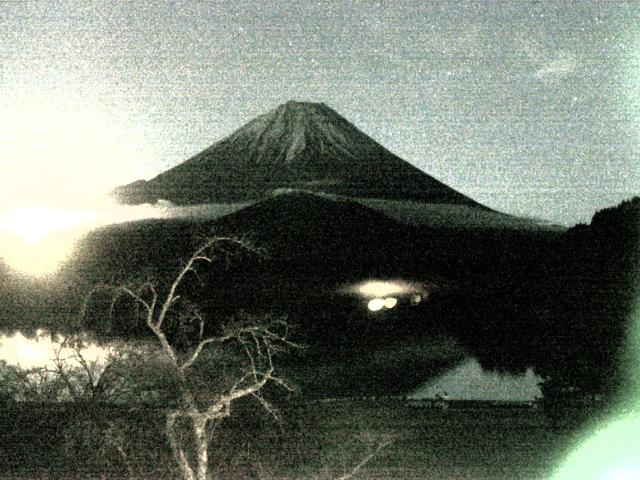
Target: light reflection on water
{"points": [[468, 381]]}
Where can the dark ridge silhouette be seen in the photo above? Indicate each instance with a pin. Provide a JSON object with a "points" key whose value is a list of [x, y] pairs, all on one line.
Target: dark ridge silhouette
{"points": [[566, 311], [298, 145], [339, 237], [591, 309], [297, 231]]}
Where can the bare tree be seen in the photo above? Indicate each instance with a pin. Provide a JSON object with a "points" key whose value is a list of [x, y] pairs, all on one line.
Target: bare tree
{"points": [[36, 384], [258, 340], [69, 376], [84, 379]]}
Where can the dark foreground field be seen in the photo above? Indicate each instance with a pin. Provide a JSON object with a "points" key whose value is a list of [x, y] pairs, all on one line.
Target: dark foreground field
{"points": [[464, 442], [318, 440]]}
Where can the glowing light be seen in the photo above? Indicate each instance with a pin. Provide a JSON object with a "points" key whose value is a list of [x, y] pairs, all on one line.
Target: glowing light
{"points": [[32, 224], [416, 299], [27, 351], [390, 302], [59, 155], [375, 304], [37, 240], [378, 288]]}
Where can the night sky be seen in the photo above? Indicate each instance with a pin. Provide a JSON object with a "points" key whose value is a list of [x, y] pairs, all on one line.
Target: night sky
{"points": [[531, 108]]}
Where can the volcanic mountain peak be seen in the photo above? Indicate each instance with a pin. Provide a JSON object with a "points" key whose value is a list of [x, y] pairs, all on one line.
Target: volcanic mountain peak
{"points": [[299, 129], [296, 146]]}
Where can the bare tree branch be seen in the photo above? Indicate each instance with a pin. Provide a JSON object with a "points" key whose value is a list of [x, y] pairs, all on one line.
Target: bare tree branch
{"points": [[268, 406], [198, 350], [62, 372], [366, 459]]}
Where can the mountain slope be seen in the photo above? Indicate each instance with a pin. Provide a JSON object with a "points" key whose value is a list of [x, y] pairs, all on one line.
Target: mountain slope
{"points": [[299, 232], [300, 146]]}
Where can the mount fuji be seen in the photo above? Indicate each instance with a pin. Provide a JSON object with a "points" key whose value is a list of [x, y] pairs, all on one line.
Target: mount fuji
{"points": [[298, 146]]}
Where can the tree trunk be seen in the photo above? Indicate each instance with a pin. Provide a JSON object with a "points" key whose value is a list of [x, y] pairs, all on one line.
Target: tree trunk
{"points": [[178, 452], [202, 446]]}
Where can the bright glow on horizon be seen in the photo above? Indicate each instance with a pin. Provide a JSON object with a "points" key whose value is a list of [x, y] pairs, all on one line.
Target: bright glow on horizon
{"points": [[60, 153], [57, 150], [33, 224], [37, 240], [39, 258]]}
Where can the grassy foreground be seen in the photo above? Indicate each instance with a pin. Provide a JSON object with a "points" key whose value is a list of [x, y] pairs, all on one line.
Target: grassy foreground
{"points": [[318, 440]]}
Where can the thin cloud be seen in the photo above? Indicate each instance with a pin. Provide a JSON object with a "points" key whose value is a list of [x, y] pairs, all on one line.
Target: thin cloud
{"points": [[558, 68], [550, 65]]}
